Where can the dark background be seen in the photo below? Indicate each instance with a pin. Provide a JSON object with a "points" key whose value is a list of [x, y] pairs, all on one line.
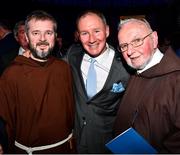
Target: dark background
{"points": [[164, 15]]}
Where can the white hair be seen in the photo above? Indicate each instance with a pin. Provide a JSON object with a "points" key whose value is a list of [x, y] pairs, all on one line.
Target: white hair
{"points": [[140, 21]]}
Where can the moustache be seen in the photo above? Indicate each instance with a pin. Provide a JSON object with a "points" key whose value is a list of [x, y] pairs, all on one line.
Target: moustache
{"points": [[42, 43]]}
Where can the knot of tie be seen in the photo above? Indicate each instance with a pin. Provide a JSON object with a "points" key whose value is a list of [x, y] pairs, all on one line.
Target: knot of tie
{"points": [[92, 60]]}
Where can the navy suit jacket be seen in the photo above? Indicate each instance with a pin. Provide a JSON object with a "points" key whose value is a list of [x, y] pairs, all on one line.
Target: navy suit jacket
{"points": [[8, 51], [95, 117]]}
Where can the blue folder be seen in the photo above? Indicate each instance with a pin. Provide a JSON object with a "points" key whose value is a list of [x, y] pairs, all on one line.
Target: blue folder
{"points": [[130, 142]]}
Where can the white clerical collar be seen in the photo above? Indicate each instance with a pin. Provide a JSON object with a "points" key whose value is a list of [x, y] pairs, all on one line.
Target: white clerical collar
{"points": [[156, 58], [37, 59]]}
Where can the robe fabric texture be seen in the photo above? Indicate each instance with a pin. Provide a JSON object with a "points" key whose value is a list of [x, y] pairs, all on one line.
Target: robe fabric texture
{"points": [[37, 103], [151, 105]]}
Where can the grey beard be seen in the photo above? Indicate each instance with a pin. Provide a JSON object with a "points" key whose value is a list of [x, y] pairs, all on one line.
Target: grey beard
{"points": [[41, 55]]}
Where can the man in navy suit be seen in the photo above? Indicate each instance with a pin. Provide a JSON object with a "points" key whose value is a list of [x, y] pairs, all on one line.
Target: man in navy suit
{"points": [[95, 115], [8, 46]]}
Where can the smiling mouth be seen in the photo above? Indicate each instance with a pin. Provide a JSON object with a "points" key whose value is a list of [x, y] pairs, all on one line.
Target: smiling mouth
{"points": [[42, 45], [93, 46]]}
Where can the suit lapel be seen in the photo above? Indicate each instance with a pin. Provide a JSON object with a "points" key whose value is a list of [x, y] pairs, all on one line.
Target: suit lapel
{"points": [[115, 73], [77, 73]]}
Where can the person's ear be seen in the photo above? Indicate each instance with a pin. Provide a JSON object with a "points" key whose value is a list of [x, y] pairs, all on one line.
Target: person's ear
{"points": [[155, 39], [107, 31]]}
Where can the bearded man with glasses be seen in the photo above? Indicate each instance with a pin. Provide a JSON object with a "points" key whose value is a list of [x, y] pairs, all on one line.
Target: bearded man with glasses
{"points": [[151, 104]]}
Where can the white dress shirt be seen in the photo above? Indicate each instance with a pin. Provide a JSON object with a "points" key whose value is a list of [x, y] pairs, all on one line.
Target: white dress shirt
{"points": [[21, 51], [102, 66]]}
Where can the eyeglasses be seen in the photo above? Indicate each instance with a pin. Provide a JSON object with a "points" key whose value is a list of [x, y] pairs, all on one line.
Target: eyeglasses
{"points": [[135, 43]]}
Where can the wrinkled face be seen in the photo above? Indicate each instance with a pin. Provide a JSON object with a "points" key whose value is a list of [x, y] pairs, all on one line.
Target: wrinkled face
{"points": [[92, 34], [41, 38], [137, 57], [21, 38]]}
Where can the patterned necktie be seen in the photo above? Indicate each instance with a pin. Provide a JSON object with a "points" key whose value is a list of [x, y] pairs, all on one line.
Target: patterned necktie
{"points": [[91, 79]]}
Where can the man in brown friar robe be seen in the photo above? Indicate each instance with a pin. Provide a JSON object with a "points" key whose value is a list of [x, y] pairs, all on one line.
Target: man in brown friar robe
{"points": [[151, 104], [36, 97]]}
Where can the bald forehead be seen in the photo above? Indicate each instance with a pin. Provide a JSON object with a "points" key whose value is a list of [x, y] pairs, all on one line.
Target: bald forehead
{"points": [[134, 23], [96, 16]]}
